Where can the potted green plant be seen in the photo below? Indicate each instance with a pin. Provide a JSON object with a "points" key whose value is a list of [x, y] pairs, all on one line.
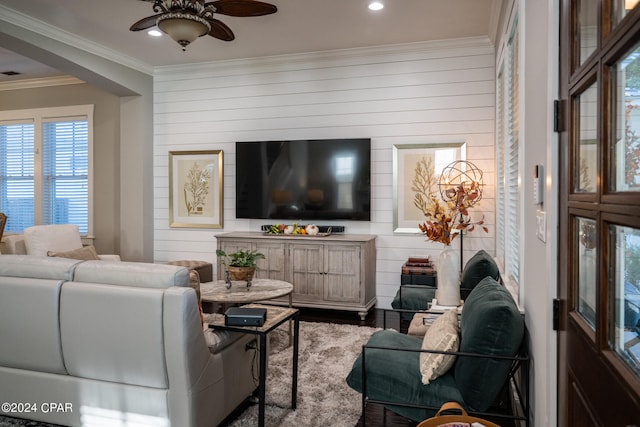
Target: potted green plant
{"points": [[241, 264]]}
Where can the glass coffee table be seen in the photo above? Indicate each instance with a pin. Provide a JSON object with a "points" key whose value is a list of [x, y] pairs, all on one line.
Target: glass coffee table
{"points": [[276, 316]]}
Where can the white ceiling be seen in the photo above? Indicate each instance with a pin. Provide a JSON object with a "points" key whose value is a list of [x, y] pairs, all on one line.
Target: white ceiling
{"points": [[298, 26]]}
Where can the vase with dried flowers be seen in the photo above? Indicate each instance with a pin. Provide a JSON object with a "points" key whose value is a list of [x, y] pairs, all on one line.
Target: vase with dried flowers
{"points": [[459, 187]]}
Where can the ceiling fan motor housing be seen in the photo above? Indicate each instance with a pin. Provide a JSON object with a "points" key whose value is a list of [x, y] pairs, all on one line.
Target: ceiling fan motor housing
{"points": [[186, 20]]}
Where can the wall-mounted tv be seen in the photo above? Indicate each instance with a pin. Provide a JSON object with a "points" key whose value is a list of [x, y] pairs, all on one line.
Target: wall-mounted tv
{"points": [[308, 180]]}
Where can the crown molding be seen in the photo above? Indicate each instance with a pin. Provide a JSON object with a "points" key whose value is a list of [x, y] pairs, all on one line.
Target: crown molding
{"points": [[42, 28], [406, 49], [39, 83]]}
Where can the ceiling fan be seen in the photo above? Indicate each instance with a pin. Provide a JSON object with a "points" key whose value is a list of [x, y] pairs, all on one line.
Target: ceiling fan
{"points": [[186, 20]]}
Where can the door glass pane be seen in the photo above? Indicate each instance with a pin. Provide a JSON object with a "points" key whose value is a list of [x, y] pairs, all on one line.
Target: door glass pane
{"points": [[621, 8], [626, 101], [587, 26], [585, 250], [625, 289], [586, 158]]}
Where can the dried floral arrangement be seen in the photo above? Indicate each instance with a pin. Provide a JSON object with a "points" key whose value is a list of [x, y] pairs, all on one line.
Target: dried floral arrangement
{"points": [[447, 215]]}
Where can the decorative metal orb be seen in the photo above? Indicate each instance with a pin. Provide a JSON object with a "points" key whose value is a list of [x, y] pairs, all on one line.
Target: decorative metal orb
{"points": [[461, 173]]}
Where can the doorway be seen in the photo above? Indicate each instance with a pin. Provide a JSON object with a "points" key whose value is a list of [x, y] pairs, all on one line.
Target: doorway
{"points": [[599, 261]]}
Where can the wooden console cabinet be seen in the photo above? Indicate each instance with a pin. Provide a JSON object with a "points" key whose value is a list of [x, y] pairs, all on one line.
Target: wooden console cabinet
{"points": [[334, 272]]}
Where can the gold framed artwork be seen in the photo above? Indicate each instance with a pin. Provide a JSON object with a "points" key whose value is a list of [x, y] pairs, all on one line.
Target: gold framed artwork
{"points": [[406, 157], [195, 189]]}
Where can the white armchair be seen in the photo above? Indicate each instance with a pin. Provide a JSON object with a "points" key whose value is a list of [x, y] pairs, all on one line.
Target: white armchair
{"points": [[42, 239]]}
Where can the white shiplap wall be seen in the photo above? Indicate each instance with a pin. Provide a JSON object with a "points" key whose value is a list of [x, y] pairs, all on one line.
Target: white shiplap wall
{"points": [[416, 93]]}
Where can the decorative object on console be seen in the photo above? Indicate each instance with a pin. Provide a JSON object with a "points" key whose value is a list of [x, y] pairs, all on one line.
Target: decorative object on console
{"points": [[296, 230], [196, 189], [460, 187], [323, 230], [186, 20]]}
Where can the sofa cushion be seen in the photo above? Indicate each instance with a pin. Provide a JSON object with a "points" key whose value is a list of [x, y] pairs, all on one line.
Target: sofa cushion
{"points": [[479, 266], [113, 333], [86, 253], [137, 274], [420, 324], [414, 297], [37, 267], [441, 336], [394, 376], [29, 327], [490, 324], [40, 239], [15, 244]]}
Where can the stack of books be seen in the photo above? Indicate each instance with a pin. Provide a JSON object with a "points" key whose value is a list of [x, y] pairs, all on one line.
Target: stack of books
{"points": [[420, 266], [418, 271]]}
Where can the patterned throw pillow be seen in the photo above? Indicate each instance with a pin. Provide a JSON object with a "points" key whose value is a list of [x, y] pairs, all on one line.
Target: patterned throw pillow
{"points": [[87, 253], [442, 335]]}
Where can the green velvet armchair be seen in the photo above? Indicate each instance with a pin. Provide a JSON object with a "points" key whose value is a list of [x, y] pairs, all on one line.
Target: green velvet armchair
{"points": [[491, 357]]}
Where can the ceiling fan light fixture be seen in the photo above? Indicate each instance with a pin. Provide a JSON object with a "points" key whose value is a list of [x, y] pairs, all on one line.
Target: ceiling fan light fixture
{"points": [[184, 28]]}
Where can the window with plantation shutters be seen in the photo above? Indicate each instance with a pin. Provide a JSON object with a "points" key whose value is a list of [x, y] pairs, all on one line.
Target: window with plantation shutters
{"points": [[507, 159], [500, 169], [17, 173], [45, 167], [511, 162]]}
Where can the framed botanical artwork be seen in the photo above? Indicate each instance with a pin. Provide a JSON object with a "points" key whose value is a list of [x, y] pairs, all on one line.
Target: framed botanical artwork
{"points": [[195, 189], [410, 160]]}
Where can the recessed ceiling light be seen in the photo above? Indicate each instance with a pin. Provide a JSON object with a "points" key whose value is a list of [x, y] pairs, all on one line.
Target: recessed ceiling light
{"points": [[154, 32], [376, 5]]}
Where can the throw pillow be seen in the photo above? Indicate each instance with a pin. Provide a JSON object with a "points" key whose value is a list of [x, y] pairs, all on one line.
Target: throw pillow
{"points": [[477, 268], [87, 253], [490, 324], [442, 335], [194, 282], [421, 323]]}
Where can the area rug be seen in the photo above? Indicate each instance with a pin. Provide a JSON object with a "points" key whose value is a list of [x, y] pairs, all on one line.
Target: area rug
{"points": [[326, 353]]}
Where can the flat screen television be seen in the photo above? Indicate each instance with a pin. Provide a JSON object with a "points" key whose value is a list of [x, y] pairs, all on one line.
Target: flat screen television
{"points": [[307, 180]]}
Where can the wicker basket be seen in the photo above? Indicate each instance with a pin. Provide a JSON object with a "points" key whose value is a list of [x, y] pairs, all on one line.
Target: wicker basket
{"points": [[241, 273]]}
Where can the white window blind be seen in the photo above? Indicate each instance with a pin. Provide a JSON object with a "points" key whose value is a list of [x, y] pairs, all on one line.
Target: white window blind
{"points": [[17, 174], [65, 173], [507, 159], [500, 169], [512, 161], [45, 168]]}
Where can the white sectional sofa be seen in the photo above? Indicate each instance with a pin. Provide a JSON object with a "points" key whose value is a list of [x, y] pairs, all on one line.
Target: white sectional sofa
{"points": [[106, 343]]}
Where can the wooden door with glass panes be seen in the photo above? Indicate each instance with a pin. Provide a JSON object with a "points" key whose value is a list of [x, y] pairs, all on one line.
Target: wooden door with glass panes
{"points": [[599, 261]]}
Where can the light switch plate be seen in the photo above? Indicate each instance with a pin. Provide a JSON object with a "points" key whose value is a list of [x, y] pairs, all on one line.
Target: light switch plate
{"points": [[541, 225]]}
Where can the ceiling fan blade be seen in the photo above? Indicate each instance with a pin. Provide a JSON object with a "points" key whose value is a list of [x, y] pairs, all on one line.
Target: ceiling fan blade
{"points": [[219, 30], [145, 23], [242, 7]]}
